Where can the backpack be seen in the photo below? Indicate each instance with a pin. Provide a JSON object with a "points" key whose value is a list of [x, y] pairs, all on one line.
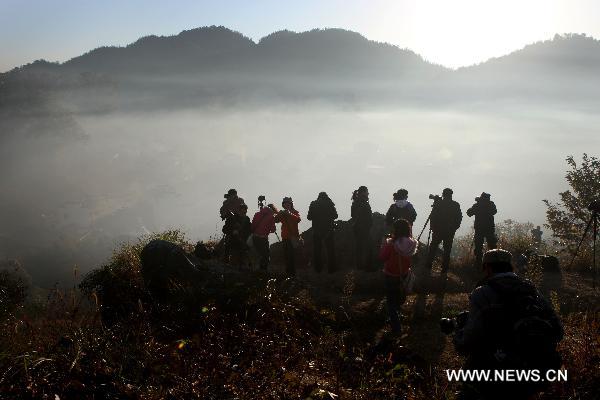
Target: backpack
{"points": [[523, 328]]}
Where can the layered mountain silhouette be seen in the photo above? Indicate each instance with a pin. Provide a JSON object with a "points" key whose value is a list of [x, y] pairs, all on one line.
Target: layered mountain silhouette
{"points": [[215, 65]]}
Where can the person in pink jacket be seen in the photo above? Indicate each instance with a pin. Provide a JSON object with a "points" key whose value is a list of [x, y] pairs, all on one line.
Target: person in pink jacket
{"points": [[396, 252], [263, 224]]}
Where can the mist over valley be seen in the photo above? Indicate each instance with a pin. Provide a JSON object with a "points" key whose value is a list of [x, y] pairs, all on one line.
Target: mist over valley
{"points": [[120, 142]]}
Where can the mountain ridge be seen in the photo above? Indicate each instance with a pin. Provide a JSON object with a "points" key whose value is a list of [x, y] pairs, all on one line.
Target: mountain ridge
{"points": [[222, 66]]}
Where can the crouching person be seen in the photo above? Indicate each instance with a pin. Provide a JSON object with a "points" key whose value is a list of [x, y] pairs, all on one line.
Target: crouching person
{"points": [[396, 252], [509, 327]]}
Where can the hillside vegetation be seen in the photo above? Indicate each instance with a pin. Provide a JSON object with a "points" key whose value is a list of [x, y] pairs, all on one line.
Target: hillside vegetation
{"points": [[246, 334]]}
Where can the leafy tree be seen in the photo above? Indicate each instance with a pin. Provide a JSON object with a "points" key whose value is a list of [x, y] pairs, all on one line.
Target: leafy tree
{"points": [[568, 218]]}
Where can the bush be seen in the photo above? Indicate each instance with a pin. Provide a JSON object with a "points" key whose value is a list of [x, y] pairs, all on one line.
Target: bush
{"points": [[568, 218]]}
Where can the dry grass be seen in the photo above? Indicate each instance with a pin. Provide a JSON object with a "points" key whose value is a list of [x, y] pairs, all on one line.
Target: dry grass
{"points": [[317, 337]]}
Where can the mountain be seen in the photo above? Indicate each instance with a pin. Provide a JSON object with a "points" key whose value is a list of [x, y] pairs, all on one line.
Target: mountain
{"points": [[198, 50], [564, 69], [220, 50], [215, 65]]}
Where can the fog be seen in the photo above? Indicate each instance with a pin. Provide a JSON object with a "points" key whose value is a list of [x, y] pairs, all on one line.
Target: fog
{"points": [[68, 201]]}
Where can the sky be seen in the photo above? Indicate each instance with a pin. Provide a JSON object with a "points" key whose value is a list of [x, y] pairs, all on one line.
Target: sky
{"points": [[451, 33]]}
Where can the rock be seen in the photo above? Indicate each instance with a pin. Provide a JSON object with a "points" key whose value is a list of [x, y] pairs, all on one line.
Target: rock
{"points": [[165, 266]]}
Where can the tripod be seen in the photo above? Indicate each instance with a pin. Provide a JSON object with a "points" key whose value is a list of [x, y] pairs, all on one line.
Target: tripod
{"points": [[425, 226], [593, 222]]}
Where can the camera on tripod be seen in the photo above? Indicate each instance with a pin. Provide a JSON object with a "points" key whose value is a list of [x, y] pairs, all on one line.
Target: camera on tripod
{"points": [[435, 197], [449, 325]]}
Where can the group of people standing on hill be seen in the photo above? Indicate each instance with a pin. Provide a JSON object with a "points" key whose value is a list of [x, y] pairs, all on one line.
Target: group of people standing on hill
{"points": [[445, 218], [241, 233], [524, 330]]}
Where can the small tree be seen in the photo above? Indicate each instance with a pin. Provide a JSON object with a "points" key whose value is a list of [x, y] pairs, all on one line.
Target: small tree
{"points": [[568, 219]]}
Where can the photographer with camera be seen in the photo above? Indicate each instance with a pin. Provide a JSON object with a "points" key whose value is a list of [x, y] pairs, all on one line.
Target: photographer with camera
{"points": [[263, 224], [445, 219], [323, 214], [237, 229], [484, 210], [231, 204], [509, 326]]}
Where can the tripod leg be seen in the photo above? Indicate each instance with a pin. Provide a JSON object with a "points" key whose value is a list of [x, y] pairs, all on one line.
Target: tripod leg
{"points": [[587, 228], [424, 226]]}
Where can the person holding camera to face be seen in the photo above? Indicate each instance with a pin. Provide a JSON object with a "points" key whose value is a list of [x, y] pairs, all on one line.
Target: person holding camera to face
{"points": [[484, 210], [289, 218], [263, 224], [509, 326], [445, 219], [237, 229], [231, 204]]}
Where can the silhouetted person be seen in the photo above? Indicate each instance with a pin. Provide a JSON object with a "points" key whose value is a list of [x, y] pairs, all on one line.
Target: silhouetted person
{"points": [[237, 229], [536, 235], [484, 210], [396, 252], [446, 217], [323, 214], [231, 204], [263, 224], [362, 219], [289, 218], [400, 209], [509, 326]]}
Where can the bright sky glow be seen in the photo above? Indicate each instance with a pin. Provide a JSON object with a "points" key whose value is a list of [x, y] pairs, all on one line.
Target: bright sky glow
{"points": [[452, 33]]}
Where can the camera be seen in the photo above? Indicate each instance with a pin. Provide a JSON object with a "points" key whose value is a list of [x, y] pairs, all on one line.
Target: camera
{"points": [[449, 325], [434, 197], [594, 206]]}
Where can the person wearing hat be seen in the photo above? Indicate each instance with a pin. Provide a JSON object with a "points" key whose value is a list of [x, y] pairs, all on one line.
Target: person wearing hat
{"points": [[289, 218], [401, 208], [509, 326], [445, 219], [323, 214], [484, 210]]}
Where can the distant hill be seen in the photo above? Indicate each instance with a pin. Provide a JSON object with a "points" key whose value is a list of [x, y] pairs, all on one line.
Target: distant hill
{"points": [[564, 69], [220, 50], [218, 66]]}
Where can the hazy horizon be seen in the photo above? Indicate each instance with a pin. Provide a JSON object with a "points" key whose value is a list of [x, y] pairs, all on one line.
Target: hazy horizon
{"points": [[457, 34]]}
